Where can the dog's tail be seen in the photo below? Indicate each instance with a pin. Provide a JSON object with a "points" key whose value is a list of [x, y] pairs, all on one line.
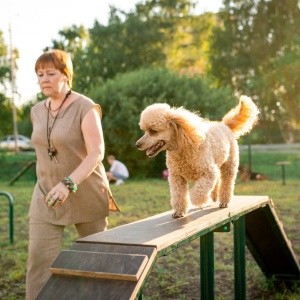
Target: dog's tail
{"points": [[242, 118]]}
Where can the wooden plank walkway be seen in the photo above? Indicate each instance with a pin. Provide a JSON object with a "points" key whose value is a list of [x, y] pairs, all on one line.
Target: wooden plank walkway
{"points": [[162, 230], [160, 234]]}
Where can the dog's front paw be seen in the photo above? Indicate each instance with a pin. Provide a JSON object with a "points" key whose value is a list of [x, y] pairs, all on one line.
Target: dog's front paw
{"points": [[177, 215], [223, 205]]}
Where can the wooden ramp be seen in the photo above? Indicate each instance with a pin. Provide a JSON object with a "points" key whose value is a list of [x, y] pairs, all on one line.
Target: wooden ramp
{"points": [[115, 264]]}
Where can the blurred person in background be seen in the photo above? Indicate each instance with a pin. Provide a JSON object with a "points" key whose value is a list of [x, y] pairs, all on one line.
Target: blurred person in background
{"points": [[118, 172]]}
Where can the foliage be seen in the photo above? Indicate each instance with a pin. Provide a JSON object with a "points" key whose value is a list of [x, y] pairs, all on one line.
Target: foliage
{"points": [[156, 34], [123, 99], [7, 60], [71, 39], [5, 116], [257, 52], [187, 51], [4, 64], [25, 125], [5, 105]]}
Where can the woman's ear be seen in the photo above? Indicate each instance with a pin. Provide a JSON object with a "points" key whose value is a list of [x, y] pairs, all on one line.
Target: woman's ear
{"points": [[67, 78]]}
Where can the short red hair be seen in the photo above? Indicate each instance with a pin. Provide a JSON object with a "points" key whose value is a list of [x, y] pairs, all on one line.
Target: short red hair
{"points": [[59, 59]]}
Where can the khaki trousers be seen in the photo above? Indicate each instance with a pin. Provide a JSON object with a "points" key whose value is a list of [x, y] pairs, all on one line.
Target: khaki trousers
{"points": [[44, 246]]}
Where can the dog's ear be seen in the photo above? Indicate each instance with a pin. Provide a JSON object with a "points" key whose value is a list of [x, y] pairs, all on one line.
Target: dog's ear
{"points": [[174, 125], [190, 124]]}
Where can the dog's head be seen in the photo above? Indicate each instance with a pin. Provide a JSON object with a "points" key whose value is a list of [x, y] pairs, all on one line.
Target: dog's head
{"points": [[156, 122], [163, 126]]}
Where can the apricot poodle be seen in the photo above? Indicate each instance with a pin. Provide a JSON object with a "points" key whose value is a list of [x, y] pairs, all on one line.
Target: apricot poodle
{"points": [[200, 151]]}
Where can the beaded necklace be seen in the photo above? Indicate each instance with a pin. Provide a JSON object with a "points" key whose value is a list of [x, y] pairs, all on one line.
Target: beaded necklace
{"points": [[51, 149]]}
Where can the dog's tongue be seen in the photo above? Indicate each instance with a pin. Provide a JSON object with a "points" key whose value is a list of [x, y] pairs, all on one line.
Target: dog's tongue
{"points": [[149, 151], [153, 149]]}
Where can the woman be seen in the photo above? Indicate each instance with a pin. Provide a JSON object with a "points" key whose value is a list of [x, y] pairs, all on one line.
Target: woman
{"points": [[72, 187]]}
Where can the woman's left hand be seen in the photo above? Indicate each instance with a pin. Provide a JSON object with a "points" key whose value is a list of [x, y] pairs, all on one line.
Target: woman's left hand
{"points": [[57, 196]]}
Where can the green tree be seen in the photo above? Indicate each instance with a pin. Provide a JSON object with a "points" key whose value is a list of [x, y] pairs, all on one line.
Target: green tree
{"points": [[188, 50], [4, 64], [5, 104], [71, 39], [24, 124], [130, 41], [257, 45], [124, 47], [119, 47], [6, 124]]}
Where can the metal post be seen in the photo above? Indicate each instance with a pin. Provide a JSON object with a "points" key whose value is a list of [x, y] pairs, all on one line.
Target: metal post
{"points": [[11, 215], [207, 266], [249, 157], [239, 259], [283, 174]]}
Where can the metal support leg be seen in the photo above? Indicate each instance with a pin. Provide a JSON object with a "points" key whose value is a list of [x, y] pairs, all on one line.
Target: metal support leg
{"points": [[11, 214], [207, 266], [140, 296], [239, 259]]}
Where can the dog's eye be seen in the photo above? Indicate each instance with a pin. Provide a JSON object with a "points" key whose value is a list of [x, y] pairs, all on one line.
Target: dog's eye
{"points": [[152, 131]]}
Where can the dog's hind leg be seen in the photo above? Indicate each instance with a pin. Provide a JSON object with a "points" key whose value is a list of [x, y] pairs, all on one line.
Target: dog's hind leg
{"points": [[228, 175], [179, 191]]}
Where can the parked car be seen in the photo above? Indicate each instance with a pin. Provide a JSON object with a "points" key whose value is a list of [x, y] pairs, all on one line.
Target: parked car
{"points": [[8, 142]]}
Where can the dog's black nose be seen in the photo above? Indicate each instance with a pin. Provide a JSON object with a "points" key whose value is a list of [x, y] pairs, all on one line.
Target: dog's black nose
{"points": [[138, 145]]}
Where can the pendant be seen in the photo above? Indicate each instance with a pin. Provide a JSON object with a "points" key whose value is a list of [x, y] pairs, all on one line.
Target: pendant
{"points": [[51, 152]]}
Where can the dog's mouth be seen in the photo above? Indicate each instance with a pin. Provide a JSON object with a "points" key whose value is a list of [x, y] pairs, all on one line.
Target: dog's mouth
{"points": [[153, 150]]}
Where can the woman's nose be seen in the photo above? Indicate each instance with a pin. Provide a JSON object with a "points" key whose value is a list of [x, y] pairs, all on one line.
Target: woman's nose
{"points": [[44, 78]]}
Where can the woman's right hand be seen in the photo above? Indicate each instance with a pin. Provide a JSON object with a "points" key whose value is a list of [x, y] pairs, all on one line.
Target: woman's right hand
{"points": [[57, 195]]}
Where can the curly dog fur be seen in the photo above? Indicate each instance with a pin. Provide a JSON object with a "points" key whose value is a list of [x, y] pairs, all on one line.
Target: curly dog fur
{"points": [[199, 151]]}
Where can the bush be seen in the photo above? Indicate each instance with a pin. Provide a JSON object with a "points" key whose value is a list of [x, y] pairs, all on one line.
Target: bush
{"points": [[122, 100]]}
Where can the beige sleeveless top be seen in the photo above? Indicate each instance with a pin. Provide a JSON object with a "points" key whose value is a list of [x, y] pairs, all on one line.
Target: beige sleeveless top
{"points": [[93, 198]]}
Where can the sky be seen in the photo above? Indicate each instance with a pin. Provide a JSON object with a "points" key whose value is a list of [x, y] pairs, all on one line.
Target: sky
{"points": [[34, 24]]}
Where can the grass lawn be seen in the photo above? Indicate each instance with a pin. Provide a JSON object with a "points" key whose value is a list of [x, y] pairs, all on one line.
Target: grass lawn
{"points": [[175, 276]]}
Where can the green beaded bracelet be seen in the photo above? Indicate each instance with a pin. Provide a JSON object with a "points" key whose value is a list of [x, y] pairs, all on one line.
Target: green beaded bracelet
{"points": [[70, 184]]}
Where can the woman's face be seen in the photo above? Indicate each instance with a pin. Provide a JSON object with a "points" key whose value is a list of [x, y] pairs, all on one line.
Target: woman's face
{"points": [[52, 82]]}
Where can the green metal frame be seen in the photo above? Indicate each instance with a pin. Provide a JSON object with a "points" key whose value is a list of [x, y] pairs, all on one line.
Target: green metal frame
{"points": [[207, 269], [207, 257], [207, 252], [11, 214], [239, 258]]}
